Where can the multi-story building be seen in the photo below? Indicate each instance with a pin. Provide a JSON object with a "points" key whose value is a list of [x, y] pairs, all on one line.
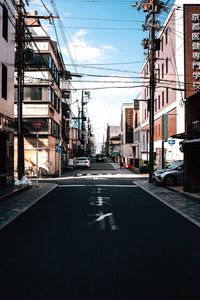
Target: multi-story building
{"points": [[7, 55], [169, 109], [43, 103], [177, 86], [191, 143]]}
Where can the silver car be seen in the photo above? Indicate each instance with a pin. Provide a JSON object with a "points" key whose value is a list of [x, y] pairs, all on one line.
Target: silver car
{"points": [[171, 175], [82, 162]]}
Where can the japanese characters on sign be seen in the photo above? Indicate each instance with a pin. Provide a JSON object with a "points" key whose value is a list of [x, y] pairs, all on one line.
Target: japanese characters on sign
{"points": [[192, 48], [129, 125], [196, 50]]}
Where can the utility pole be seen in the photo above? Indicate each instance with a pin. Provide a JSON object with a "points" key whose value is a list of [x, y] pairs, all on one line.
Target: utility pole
{"points": [[82, 122], [20, 80], [83, 119], [151, 8], [152, 89]]}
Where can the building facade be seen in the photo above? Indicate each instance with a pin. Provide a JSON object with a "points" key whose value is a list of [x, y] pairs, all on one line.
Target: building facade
{"points": [[45, 111], [169, 108], [7, 56]]}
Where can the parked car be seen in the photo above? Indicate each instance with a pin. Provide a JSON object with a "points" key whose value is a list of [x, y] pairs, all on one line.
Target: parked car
{"points": [[171, 175], [82, 162], [100, 158]]}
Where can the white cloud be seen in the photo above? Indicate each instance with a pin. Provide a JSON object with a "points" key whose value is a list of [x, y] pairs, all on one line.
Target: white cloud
{"points": [[83, 51]]}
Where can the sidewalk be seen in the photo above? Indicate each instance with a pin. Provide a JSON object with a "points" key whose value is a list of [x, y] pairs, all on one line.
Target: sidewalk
{"points": [[15, 200]]}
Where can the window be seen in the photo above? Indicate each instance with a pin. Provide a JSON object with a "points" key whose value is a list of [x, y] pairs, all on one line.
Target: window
{"points": [[167, 95], [166, 64], [163, 98], [145, 114], [159, 102], [162, 70], [33, 93], [136, 120], [155, 104], [158, 74], [4, 81], [5, 23], [155, 133], [54, 129], [161, 44], [166, 35]]}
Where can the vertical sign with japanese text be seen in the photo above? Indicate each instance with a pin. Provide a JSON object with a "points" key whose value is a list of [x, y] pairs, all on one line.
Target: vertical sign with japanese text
{"points": [[192, 48], [129, 125]]}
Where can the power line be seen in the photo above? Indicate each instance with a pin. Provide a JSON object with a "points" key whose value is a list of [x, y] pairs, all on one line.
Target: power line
{"points": [[101, 28], [100, 19]]}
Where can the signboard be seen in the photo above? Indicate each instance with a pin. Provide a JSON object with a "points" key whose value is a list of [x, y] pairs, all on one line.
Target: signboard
{"points": [[165, 127], [144, 141], [192, 48], [37, 125], [129, 125], [58, 148], [171, 142]]}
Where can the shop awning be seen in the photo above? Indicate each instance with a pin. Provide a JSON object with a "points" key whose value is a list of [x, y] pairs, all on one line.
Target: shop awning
{"points": [[194, 141], [181, 136]]}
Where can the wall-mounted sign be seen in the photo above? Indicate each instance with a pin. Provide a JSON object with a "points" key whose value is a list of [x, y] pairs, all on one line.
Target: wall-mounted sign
{"points": [[129, 125], [144, 140], [171, 142], [192, 48], [37, 125]]}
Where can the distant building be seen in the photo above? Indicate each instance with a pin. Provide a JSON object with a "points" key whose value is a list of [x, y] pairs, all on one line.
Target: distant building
{"points": [[113, 142], [7, 56]]}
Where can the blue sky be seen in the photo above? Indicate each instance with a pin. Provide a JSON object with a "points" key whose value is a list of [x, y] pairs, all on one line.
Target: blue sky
{"points": [[104, 39]]}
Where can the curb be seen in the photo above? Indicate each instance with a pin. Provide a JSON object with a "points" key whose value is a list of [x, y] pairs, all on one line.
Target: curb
{"points": [[14, 192], [189, 195]]}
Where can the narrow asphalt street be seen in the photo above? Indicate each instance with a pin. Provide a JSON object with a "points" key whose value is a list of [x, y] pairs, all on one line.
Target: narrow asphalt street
{"points": [[104, 238]]}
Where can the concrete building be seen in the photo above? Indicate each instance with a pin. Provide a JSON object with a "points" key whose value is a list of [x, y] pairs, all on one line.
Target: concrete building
{"points": [[191, 142], [169, 108], [7, 56], [45, 102]]}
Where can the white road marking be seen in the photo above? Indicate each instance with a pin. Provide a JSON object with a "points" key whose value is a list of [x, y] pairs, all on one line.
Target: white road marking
{"points": [[99, 201], [98, 185], [101, 217]]}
